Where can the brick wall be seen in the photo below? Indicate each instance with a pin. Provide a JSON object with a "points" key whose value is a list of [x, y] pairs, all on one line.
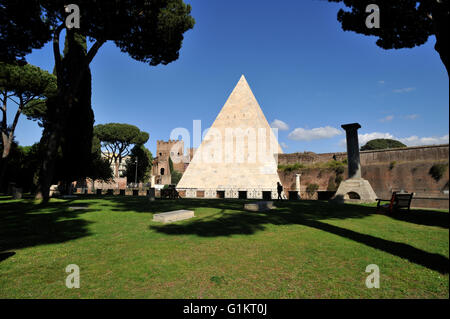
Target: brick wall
{"points": [[386, 170]]}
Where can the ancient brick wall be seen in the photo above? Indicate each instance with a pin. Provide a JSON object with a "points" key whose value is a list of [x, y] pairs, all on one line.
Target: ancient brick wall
{"points": [[387, 171]]}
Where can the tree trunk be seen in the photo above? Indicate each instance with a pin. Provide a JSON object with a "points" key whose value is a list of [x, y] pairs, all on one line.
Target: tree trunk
{"points": [[6, 149], [52, 142], [441, 26]]}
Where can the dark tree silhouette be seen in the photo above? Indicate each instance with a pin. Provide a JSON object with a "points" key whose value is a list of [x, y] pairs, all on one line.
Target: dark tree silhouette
{"points": [[20, 86], [149, 31], [403, 23]]}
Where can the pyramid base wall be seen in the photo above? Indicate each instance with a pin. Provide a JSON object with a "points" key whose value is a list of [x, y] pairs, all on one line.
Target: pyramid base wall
{"points": [[228, 193], [360, 186]]}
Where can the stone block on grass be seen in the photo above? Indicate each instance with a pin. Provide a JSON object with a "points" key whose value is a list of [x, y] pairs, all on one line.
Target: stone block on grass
{"points": [[259, 206], [173, 216]]}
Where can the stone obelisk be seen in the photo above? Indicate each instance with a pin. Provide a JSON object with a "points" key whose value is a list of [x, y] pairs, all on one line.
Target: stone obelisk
{"points": [[355, 188]]}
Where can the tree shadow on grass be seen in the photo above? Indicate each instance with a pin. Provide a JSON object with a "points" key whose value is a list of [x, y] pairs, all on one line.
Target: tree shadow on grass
{"points": [[309, 214], [26, 224], [424, 217]]}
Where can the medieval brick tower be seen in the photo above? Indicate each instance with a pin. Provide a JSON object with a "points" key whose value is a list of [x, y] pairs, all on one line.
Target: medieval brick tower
{"points": [[161, 167]]}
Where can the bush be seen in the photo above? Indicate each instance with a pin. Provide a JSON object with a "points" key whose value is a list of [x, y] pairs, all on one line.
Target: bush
{"points": [[334, 164], [339, 170], [311, 189], [392, 165], [338, 180], [290, 167], [176, 176], [331, 184], [437, 171]]}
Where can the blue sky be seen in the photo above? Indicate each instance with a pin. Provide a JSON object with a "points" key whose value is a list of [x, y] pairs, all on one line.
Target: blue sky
{"points": [[303, 69]]}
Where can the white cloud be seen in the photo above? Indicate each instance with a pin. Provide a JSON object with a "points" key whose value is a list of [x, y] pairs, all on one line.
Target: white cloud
{"points": [[408, 141], [282, 126], [387, 118], [381, 82], [403, 90], [411, 116], [283, 145], [415, 140], [301, 134]]}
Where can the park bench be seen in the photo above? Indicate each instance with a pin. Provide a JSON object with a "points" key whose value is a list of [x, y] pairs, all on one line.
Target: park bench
{"points": [[397, 202]]}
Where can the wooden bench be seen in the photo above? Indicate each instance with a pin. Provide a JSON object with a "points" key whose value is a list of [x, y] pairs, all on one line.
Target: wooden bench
{"points": [[397, 202]]}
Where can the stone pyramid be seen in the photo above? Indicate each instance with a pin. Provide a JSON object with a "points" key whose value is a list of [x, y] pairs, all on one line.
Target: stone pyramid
{"points": [[238, 153]]}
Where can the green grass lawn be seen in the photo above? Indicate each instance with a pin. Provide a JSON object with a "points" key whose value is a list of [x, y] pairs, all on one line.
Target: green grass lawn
{"points": [[305, 249]]}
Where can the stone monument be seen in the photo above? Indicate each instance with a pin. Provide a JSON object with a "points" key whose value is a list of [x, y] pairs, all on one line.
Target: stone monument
{"points": [[355, 188], [238, 156]]}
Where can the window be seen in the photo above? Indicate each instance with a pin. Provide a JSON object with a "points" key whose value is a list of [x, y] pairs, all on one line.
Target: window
{"points": [[162, 171]]}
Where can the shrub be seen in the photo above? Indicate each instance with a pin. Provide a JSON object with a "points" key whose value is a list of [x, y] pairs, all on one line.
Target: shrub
{"points": [[311, 189], [175, 177], [334, 164], [392, 165], [339, 170], [290, 167], [338, 180], [331, 184], [437, 171]]}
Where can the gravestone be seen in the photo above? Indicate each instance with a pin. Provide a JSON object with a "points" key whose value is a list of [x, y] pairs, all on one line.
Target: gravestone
{"points": [[151, 194], [259, 206], [173, 216]]}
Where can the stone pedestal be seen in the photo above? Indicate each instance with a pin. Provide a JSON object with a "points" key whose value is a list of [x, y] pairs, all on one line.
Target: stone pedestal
{"points": [[355, 188]]}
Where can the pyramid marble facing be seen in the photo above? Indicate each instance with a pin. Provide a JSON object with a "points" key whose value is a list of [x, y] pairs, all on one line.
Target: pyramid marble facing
{"points": [[238, 153]]}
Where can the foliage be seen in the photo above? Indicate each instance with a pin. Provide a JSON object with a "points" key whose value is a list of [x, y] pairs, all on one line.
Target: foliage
{"points": [[175, 177], [77, 135], [23, 165], [290, 167], [311, 189], [116, 139], [331, 184], [392, 165], [337, 166], [148, 31], [437, 171], [144, 159], [339, 170], [338, 180], [381, 144], [403, 24], [25, 86], [171, 164]]}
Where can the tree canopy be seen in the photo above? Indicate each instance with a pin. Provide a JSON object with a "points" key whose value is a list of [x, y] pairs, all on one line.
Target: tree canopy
{"points": [[403, 24], [116, 139], [22, 85], [148, 31], [381, 144], [144, 164]]}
